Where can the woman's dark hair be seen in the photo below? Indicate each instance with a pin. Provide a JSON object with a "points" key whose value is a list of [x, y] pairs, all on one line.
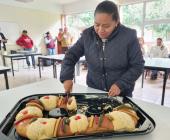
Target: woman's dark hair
{"points": [[24, 31], [47, 33], [108, 7], [159, 38]]}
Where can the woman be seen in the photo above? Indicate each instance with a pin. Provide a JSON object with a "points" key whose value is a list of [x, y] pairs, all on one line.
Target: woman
{"points": [[112, 52], [59, 38], [141, 43], [50, 44]]}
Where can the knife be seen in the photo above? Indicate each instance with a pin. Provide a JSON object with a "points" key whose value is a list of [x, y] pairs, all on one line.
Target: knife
{"points": [[67, 96]]}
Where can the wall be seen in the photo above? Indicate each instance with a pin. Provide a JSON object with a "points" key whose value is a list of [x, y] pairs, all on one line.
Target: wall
{"points": [[36, 22]]}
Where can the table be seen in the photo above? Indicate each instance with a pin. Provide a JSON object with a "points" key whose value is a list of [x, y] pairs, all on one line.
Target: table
{"points": [[159, 64], [17, 56], [161, 114], [57, 58], [4, 70]]}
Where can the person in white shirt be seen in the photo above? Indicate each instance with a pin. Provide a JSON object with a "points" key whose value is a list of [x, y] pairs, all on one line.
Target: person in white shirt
{"points": [[158, 51]]}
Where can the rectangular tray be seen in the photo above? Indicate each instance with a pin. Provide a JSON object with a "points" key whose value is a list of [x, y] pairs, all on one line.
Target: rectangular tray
{"points": [[145, 124]]}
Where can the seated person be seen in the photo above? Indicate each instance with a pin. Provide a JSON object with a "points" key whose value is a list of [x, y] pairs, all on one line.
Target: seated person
{"points": [[158, 51]]}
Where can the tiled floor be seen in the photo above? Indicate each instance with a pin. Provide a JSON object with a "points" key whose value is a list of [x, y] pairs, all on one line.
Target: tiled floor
{"points": [[152, 91]]}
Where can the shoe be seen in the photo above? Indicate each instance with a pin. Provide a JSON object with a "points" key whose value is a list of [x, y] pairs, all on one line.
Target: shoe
{"points": [[153, 77]]}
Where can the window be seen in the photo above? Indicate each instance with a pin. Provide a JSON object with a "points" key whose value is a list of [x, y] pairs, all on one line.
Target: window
{"points": [[132, 16], [155, 23], [154, 31], [78, 22], [158, 9]]}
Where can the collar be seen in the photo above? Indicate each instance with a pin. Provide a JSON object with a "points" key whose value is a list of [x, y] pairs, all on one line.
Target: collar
{"points": [[112, 35]]}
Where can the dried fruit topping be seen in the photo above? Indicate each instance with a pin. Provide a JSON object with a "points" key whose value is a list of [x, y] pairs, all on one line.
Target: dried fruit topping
{"points": [[96, 118], [25, 118], [123, 106], [100, 120], [25, 112], [77, 118], [43, 122], [46, 97], [33, 120], [67, 121], [63, 125]]}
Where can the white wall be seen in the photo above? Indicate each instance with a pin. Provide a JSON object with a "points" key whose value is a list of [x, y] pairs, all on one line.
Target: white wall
{"points": [[36, 22]]}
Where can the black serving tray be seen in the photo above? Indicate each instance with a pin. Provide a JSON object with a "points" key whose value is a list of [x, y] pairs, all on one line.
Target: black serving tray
{"points": [[145, 124]]}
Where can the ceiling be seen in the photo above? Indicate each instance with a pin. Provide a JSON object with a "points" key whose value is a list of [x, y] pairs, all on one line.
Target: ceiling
{"points": [[39, 1], [58, 5], [45, 5]]}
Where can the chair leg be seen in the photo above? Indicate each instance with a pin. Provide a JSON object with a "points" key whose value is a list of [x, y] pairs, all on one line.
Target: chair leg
{"points": [[18, 64], [146, 73], [23, 63]]}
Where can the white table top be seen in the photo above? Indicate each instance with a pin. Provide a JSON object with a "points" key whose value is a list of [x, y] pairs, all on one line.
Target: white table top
{"points": [[4, 68], [160, 114], [59, 57], [157, 62], [21, 54], [25, 52]]}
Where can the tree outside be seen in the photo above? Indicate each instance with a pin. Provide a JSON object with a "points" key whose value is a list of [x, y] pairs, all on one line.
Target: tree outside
{"points": [[81, 20], [78, 22], [157, 11], [132, 16]]}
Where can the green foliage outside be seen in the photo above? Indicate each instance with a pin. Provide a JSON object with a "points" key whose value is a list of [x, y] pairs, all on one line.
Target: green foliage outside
{"points": [[132, 16], [81, 20], [158, 9]]}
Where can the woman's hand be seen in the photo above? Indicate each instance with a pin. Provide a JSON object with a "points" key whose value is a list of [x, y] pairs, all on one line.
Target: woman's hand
{"points": [[114, 90], [68, 84]]}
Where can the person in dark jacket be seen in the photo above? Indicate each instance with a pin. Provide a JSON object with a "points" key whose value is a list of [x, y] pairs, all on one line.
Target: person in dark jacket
{"points": [[3, 41], [112, 52]]}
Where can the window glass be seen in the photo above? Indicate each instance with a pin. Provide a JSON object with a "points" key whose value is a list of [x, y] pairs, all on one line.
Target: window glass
{"points": [[132, 16], [78, 22], [158, 9]]}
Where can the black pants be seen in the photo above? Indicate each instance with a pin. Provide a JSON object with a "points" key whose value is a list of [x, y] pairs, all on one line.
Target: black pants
{"points": [[4, 47], [64, 50]]}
